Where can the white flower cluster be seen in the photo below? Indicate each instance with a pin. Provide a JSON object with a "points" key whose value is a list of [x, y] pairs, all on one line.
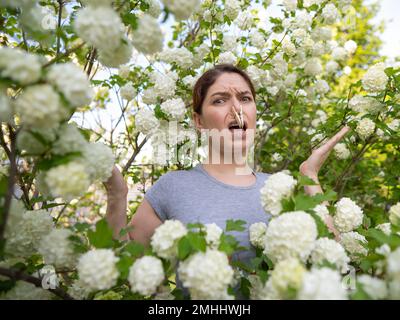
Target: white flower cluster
{"points": [[394, 214], [313, 67], [182, 9], [99, 161], [25, 230], [164, 87], [277, 187], [213, 235], [148, 37], [331, 251], [227, 57], [365, 128], [174, 108], [330, 13], [39, 106], [206, 275], [232, 8], [101, 26], [322, 211], [375, 79], [181, 56], [69, 140], [165, 238], [67, 180], [71, 82], [128, 91], [57, 249], [287, 275], [145, 275], [28, 140], [290, 5], [97, 269], [291, 234], [262, 291], [19, 66], [348, 215], [353, 243], [375, 288], [341, 151], [146, 121], [364, 105], [322, 284], [27, 291], [257, 233]]}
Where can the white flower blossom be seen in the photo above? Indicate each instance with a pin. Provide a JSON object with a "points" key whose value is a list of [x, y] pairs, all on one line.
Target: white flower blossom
{"points": [[19, 66], [277, 187], [27, 291], [68, 181], [71, 82], [39, 106], [213, 234], [375, 79], [99, 161], [148, 37], [100, 26], [146, 121], [329, 250], [166, 237], [175, 108], [97, 269], [181, 56], [69, 140], [365, 128], [212, 266], [287, 276], [313, 67], [374, 287], [330, 13], [145, 275], [341, 151], [322, 284], [128, 91], [348, 215], [227, 57], [57, 249], [350, 46], [232, 8], [394, 214], [291, 234], [182, 9], [257, 233], [25, 231]]}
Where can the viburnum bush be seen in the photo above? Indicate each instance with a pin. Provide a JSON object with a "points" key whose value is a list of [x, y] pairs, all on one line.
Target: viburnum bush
{"points": [[67, 65]]}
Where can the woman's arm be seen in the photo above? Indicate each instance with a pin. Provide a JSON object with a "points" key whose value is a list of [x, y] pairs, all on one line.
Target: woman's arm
{"points": [[144, 221]]}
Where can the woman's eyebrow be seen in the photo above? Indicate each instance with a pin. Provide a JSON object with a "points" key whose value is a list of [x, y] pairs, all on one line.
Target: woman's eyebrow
{"points": [[228, 94]]}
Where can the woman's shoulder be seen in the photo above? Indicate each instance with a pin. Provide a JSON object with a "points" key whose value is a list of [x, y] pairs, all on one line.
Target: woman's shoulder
{"points": [[177, 175]]}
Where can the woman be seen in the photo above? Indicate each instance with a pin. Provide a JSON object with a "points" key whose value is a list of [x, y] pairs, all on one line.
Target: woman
{"points": [[214, 191]]}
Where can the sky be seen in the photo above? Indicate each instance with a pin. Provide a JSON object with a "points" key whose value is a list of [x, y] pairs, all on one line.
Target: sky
{"points": [[391, 39]]}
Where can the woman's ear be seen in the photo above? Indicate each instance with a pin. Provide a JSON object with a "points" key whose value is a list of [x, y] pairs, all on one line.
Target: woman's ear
{"points": [[198, 122]]}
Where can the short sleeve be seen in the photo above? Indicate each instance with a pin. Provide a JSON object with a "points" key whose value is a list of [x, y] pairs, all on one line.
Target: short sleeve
{"points": [[158, 196]]}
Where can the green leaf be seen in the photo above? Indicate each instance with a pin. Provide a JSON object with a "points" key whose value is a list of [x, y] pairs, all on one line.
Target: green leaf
{"points": [[102, 237], [228, 244], [123, 265], [135, 249], [184, 248], [235, 225], [197, 241], [245, 286]]}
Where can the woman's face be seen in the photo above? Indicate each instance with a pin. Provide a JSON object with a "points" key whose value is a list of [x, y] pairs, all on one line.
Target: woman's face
{"points": [[229, 90]]}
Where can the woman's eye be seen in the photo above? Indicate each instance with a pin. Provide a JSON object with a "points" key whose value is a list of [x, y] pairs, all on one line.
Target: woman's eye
{"points": [[218, 101], [246, 99]]}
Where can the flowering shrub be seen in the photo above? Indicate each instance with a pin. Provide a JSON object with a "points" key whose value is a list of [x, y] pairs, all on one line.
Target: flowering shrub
{"points": [[65, 64]]}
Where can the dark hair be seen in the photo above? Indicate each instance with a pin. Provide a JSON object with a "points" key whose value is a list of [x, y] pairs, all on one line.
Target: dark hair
{"points": [[208, 78]]}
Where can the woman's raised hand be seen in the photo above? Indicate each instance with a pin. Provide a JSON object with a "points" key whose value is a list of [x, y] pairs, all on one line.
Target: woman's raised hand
{"points": [[116, 184], [313, 164]]}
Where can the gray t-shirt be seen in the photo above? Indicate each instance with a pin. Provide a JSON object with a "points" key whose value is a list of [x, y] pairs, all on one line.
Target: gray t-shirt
{"points": [[193, 195]]}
